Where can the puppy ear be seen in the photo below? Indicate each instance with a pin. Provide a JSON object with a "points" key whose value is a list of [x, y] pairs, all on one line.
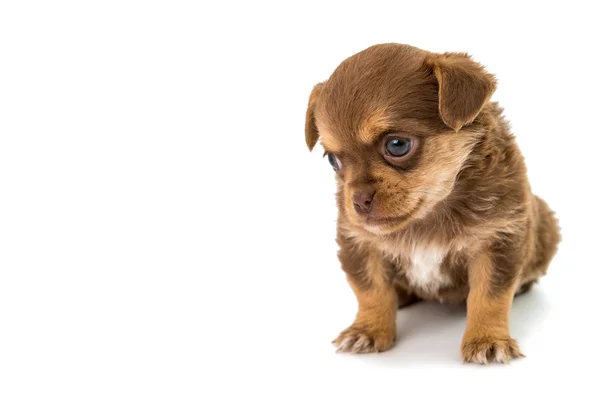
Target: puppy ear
{"points": [[310, 127], [464, 88]]}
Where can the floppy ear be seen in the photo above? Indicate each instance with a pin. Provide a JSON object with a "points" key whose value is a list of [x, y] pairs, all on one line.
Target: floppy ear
{"points": [[464, 88], [310, 127]]}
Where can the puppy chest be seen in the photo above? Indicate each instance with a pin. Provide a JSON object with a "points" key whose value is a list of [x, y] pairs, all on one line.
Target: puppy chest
{"points": [[423, 269]]}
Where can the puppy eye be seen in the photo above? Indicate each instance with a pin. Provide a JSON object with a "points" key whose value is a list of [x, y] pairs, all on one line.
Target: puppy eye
{"points": [[334, 161], [398, 147]]}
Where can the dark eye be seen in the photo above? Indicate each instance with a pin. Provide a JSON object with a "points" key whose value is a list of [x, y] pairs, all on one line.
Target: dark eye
{"points": [[398, 147], [334, 161]]}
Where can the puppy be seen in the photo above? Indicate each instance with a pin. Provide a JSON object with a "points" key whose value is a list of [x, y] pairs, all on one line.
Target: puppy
{"points": [[433, 196]]}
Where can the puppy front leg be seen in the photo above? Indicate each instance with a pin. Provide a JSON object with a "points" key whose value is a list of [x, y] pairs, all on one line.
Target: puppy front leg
{"points": [[487, 336], [374, 328]]}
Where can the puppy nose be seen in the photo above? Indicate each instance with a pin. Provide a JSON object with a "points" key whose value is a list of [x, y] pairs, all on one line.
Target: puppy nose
{"points": [[362, 201]]}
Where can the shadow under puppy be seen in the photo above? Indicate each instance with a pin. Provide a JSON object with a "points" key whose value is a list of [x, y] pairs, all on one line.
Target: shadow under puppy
{"points": [[433, 196]]}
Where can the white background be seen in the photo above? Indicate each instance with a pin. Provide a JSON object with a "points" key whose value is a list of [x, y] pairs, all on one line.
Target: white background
{"points": [[165, 233]]}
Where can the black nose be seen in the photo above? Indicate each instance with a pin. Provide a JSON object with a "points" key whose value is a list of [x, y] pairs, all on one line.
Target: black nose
{"points": [[362, 201]]}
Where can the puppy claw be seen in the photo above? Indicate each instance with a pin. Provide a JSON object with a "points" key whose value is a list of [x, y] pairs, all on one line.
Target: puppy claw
{"points": [[362, 344], [360, 340], [346, 344], [485, 350]]}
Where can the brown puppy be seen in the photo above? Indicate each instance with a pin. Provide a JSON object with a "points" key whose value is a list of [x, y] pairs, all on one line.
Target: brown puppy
{"points": [[434, 201]]}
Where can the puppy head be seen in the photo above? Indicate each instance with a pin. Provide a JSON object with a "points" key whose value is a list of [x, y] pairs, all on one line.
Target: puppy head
{"points": [[396, 125]]}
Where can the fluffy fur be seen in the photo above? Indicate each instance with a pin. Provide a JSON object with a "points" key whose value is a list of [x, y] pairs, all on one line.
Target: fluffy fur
{"points": [[456, 221]]}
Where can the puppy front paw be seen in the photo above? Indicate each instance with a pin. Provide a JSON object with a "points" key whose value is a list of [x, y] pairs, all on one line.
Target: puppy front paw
{"points": [[362, 339], [488, 349]]}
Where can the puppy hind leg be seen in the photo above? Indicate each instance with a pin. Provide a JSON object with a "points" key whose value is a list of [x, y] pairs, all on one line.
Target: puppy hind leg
{"points": [[525, 287], [545, 239], [405, 298], [547, 236]]}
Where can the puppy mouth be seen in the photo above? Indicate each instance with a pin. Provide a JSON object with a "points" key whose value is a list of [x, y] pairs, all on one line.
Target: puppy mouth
{"points": [[384, 220], [378, 221]]}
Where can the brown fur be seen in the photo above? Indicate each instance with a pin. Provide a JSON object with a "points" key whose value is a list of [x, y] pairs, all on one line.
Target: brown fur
{"points": [[463, 194]]}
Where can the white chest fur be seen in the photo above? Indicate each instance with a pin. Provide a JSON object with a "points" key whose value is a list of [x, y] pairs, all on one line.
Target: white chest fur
{"points": [[424, 268]]}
